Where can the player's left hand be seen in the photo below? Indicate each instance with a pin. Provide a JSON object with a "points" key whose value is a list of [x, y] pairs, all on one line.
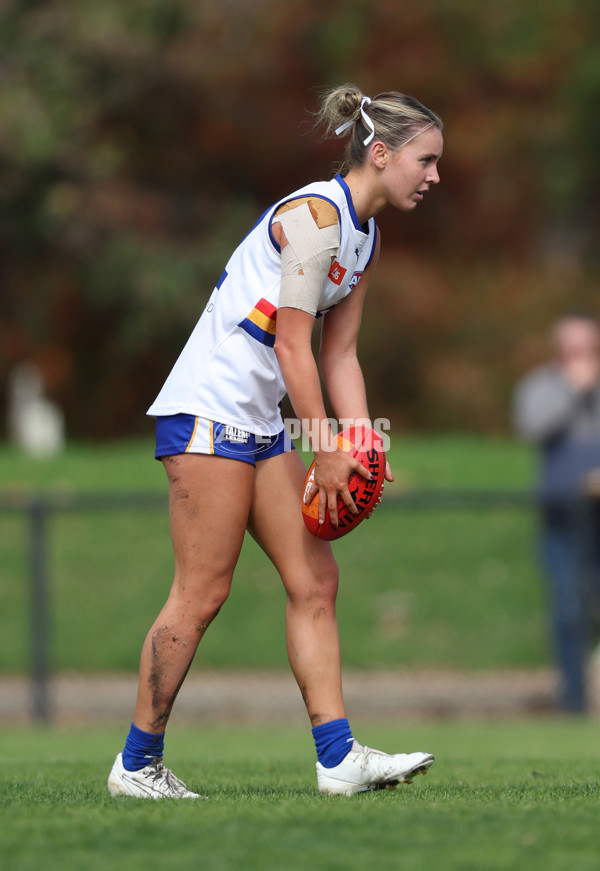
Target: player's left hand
{"points": [[388, 472], [331, 475]]}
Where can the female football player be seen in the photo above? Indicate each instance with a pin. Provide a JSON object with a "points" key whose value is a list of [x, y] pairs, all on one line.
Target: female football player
{"points": [[231, 466]]}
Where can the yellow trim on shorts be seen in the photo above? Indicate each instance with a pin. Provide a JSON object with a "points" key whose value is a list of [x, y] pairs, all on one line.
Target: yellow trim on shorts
{"points": [[193, 434], [212, 444]]}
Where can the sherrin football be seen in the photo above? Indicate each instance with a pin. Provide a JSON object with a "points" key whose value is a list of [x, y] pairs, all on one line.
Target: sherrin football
{"points": [[366, 446]]}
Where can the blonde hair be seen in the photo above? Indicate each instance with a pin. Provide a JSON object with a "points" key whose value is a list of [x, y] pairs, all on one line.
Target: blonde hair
{"points": [[396, 118]]}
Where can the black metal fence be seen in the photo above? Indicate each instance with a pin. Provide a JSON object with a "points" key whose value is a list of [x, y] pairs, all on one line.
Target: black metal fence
{"points": [[37, 510]]}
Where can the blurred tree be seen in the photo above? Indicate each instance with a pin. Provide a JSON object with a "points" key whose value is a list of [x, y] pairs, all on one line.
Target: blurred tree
{"points": [[140, 140]]}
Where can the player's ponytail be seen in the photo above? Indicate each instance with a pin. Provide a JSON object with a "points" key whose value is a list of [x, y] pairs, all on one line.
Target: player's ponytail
{"points": [[391, 117]]}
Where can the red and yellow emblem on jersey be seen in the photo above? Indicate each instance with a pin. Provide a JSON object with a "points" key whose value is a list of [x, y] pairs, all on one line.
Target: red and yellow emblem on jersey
{"points": [[337, 272], [260, 323]]}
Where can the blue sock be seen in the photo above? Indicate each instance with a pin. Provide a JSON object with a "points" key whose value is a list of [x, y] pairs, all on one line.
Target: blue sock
{"points": [[141, 747], [333, 741]]}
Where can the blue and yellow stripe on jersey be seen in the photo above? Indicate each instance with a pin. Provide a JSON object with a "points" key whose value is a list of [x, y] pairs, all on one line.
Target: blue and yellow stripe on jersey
{"points": [[260, 323]]}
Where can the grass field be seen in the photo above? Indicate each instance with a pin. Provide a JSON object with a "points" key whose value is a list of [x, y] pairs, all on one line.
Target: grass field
{"points": [[499, 797], [419, 588]]}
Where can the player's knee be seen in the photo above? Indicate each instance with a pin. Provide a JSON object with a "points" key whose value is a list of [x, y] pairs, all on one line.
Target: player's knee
{"points": [[318, 589], [206, 611], [198, 603], [330, 580]]}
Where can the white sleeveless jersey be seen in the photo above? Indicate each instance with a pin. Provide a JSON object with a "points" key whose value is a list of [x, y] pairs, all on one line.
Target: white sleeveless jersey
{"points": [[228, 370]]}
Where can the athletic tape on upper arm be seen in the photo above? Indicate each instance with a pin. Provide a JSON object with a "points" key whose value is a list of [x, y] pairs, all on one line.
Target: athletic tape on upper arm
{"points": [[306, 259]]}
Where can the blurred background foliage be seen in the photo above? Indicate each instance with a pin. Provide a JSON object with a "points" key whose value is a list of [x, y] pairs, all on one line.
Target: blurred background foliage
{"points": [[140, 140]]}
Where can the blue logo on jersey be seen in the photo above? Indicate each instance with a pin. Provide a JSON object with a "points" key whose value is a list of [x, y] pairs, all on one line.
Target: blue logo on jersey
{"points": [[354, 280]]}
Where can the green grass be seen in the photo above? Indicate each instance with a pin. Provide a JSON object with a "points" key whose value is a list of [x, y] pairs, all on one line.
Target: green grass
{"points": [[419, 587], [520, 795], [114, 466]]}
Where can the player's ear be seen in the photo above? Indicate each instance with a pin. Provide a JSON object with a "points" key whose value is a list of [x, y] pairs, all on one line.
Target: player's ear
{"points": [[380, 154]]}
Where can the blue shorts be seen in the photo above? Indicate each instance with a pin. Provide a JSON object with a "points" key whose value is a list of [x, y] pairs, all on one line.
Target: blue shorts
{"points": [[186, 434]]}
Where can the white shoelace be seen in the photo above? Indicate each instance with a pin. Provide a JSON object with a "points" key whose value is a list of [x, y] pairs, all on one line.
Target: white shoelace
{"points": [[161, 772]]}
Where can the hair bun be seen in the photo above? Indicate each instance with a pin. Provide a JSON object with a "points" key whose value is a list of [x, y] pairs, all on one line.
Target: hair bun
{"points": [[342, 104]]}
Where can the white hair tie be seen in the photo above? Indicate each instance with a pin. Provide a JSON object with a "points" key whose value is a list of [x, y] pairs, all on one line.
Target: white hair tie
{"points": [[365, 118]]}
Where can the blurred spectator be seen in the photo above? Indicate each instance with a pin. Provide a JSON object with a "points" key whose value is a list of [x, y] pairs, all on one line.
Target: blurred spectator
{"points": [[557, 406], [35, 423]]}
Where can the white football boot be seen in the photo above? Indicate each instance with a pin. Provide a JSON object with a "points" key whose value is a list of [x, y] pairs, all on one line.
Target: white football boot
{"points": [[364, 769], [153, 781]]}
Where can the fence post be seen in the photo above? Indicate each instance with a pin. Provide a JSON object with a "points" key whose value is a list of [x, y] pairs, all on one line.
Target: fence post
{"points": [[40, 610]]}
